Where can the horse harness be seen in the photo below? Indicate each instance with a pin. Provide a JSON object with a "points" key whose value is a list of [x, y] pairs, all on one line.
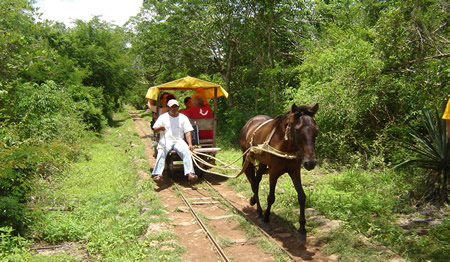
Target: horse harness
{"points": [[265, 147]]}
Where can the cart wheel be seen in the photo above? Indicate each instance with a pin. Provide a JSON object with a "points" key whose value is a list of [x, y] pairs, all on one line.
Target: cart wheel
{"points": [[198, 171]]}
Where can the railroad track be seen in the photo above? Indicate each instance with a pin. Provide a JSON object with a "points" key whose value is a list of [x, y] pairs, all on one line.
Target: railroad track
{"points": [[212, 211], [204, 199]]}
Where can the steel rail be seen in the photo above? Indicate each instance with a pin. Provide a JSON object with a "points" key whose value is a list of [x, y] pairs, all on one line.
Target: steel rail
{"points": [[250, 221], [211, 238]]}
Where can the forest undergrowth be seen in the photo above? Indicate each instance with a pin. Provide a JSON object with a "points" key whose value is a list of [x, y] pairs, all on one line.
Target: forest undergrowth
{"points": [[100, 205]]}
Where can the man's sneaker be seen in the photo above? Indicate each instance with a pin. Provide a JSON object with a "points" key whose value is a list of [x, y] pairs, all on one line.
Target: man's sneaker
{"points": [[192, 177], [158, 178]]}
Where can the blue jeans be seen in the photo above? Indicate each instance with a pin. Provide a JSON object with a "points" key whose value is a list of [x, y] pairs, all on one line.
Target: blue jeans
{"points": [[182, 150]]}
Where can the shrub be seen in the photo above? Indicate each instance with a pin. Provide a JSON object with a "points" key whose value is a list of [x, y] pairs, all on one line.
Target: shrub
{"points": [[12, 248], [136, 96], [18, 166], [45, 112], [89, 103], [43, 129], [33, 111], [432, 149]]}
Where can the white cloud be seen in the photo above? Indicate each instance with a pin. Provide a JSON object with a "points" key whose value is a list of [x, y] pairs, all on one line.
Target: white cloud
{"points": [[66, 11]]}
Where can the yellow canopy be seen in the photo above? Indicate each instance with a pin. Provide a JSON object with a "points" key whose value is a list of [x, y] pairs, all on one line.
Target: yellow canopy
{"points": [[187, 83]]}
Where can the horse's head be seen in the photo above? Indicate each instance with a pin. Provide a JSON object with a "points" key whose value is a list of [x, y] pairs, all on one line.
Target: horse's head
{"points": [[302, 129]]}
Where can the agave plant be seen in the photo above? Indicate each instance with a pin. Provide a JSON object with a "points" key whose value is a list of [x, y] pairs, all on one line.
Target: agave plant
{"points": [[432, 153]]}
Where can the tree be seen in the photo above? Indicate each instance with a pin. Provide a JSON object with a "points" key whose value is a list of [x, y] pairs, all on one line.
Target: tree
{"points": [[17, 38], [100, 50], [371, 65], [372, 73], [248, 44]]}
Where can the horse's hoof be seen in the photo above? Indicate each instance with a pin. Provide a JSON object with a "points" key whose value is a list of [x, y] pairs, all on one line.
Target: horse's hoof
{"points": [[252, 201], [301, 238], [264, 225]]}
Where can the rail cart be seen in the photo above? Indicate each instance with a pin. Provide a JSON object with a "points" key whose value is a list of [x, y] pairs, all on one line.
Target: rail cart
{"points": [[205, 146]]}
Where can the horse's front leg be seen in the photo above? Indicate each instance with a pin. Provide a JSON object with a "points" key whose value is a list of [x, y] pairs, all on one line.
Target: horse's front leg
{"points": [[296, 179], [250, 173], [273, 178], [255, 187]]}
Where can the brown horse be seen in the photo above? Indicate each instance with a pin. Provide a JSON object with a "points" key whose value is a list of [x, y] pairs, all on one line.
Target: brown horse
{"points": [[280, 145]]}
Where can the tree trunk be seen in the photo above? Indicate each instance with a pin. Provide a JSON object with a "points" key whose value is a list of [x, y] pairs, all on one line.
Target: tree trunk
{"points": [[228, 72], [444, 190]]}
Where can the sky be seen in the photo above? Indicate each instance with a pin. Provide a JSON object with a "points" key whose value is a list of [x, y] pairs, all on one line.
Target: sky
{"points": [[66, 11]]}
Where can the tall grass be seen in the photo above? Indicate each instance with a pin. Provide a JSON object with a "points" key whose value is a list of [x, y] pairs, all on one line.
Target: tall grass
{"points": [[100, 201]]}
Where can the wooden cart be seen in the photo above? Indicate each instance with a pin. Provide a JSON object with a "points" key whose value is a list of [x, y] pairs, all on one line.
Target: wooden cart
{"points": [[209, 91]]}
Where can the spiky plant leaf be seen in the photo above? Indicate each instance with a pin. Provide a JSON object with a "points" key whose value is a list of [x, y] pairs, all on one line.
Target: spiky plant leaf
{"points": [[432, 149]]}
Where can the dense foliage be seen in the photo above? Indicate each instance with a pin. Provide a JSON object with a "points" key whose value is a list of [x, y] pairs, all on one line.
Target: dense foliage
{"points": [[372, 66], [56, 85]]}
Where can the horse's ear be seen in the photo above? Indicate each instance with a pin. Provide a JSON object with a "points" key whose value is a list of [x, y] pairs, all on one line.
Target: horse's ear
{"points": [[313, 108], [293, 108]]}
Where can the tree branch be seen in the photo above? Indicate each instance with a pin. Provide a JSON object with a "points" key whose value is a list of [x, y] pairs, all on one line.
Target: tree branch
{"points": [[399, 68], [428, 58]]}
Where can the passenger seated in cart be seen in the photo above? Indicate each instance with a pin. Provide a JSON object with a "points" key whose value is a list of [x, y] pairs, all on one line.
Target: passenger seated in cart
{"points": [[200, 109], [187, 103], [151, 104], [174, 126], [165, 97]]}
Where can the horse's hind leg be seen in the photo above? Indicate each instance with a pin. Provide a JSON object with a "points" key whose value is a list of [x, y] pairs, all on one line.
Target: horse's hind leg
{"points": [[295, 176], [250, 173]]}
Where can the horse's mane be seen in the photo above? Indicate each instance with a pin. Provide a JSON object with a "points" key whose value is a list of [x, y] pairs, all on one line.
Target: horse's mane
{"points": [[300, 111], [278, 119]]}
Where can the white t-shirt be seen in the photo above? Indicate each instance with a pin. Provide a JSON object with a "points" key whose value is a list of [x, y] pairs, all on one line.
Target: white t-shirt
{"points": [[175, 127]]}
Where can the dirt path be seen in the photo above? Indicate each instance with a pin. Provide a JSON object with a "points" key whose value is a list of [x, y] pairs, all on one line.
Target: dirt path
{"points": [[198, 247], [184, 226], [279, 232]]}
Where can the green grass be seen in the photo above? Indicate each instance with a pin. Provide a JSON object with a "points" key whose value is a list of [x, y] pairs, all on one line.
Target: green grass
{"points": [[368, 203], [351, 247], [103, 197]]}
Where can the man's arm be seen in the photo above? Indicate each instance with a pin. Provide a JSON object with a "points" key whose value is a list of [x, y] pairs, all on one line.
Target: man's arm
{"points": [[189, 140], [151, 105], [159, 129]]}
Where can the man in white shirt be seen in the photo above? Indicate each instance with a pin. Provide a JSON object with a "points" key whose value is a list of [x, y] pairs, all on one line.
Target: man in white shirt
{"points": [[174, 126]]}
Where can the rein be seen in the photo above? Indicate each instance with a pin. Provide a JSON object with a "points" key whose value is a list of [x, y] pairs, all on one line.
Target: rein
{"points": [[258, 149]]}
